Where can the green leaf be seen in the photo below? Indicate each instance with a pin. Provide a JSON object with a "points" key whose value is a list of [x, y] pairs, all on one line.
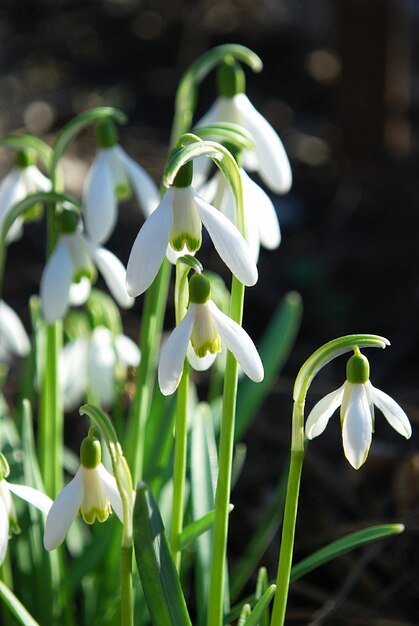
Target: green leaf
{"points": [[341, 546], [262, 585], [16, 607], [195, 529], [244, 614], [29, 142], [227, 132], [274, 349], [74, 126], [159, 578], [260, 607]]}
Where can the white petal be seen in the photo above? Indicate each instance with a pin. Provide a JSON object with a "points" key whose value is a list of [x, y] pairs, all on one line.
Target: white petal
{"points": [[146, 190], [35, 180], [259, 204], [393, 413], [111, 491], [201, 170], [173, 354], [99, 199], [357, 424], [228, 242], [322, 412], [73, 372], [33, 496], [12, 332], [4, 530], [114, 275], [239, 343], [200, 364], [101, 365], [79, 292], [127, 350], [12, 190], [174, 255], [55, 282], [63, 512], [149, 247], [274, 167]]}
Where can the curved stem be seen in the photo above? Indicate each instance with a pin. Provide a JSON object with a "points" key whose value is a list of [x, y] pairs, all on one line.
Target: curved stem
{"points": [[179, 469]]}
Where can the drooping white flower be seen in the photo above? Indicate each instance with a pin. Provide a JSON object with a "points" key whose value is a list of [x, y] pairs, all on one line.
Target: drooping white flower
{"points": [[357, 398], [204, 327], [92, 491], [178, 220], [111, 176], [75, 257], [23, 179], [13, 337], [268, 158], [261, 220], [90, 363], [8, 519]]}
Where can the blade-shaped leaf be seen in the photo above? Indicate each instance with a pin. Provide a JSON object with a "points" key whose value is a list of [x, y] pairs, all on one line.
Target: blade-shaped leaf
{"points": [[16, 607], [262, 586], [260, 607], [195, 529], [159, 579]]}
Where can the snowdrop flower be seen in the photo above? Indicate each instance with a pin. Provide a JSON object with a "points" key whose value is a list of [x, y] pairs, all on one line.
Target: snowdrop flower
{"points": [[74, 257], [93, 492], [13, 337], [268, 158], [261, 220], [357, 398], [89, 364], [110, 178], [204, 327], [23, 179], [178, 220], [8, 519]]}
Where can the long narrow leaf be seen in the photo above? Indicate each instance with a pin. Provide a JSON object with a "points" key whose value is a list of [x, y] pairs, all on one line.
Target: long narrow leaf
{"points": [[260, 607], [195, 529], [262, 586], [16, 607], [156, 568]]}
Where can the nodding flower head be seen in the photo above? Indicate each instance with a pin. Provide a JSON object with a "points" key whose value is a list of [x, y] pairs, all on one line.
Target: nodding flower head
{"points": [[357, 398]]}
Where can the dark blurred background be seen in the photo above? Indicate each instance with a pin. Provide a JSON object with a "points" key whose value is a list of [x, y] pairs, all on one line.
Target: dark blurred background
{"points": [[341, 86]]}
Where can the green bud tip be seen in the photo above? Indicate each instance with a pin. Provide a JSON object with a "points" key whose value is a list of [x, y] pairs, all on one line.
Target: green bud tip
{"points": [[68, 220], [230, 78], [25, 158], [199, 289], [106, 134], [4, 467], [358, 369], [184, 176], [90, 452]]}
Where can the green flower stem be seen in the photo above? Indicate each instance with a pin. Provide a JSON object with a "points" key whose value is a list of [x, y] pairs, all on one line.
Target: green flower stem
{"points": [[151, 326], [308, 371], [127, 600], [222, 495], [179, 469]]}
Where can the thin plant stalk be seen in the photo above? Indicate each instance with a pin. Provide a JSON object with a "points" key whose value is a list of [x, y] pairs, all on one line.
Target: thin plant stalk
{"points": [[127, 600], [179, 469]]}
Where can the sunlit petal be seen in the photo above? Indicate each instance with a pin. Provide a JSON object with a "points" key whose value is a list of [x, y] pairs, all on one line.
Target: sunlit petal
{"points": [[114, 275], [79, 292], [55, 282], [145, 189], [173, 354], [111, 490], [99, 199], [393, 413], [33, 496], [357, 424], [63, 512], [73, 372], [12, 332], [127, 350], [322, 412], [239, 343], [260, 213], [101, 363], [200, 364]]}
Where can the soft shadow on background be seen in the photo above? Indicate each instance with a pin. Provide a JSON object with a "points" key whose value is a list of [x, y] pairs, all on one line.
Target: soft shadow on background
{"points": [[341, 86]]}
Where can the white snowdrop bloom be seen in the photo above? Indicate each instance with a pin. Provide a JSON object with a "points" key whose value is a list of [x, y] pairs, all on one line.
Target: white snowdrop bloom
{"points": [[178, 220], [23, 179], [75, 257], [8, 519], [232, 105], [357, 398], [92, 492], [110, 178], [261, 220], [89, 364], [204, 327], [13, 337]]}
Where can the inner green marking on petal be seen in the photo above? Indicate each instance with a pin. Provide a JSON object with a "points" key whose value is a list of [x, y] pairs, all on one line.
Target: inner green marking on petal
{"points": [[123, 191], [210, 346], [185, 239], [101, 515]]}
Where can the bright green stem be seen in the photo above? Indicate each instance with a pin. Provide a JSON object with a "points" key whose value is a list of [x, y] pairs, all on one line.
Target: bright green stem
{"points": [[51, 419], [127, 604], [153, 314], [179, 469], [222, 495]]}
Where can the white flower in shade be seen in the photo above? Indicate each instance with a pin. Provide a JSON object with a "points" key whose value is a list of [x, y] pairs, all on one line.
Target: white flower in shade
{"points": [[8, 519], [261, 220], [111, 177], [75, 257], [89, 365], [23, 179], [268, 158], [178, 220], [13, 337], [92, 492], [204, 327], [357, 398]]}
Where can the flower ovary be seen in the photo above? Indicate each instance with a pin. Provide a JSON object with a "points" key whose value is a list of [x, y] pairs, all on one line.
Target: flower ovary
{"points": [[358, 369], [90, 454]]}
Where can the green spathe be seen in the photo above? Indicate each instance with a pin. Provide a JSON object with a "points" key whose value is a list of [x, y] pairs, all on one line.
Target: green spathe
{"points": [[230, 78]]}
